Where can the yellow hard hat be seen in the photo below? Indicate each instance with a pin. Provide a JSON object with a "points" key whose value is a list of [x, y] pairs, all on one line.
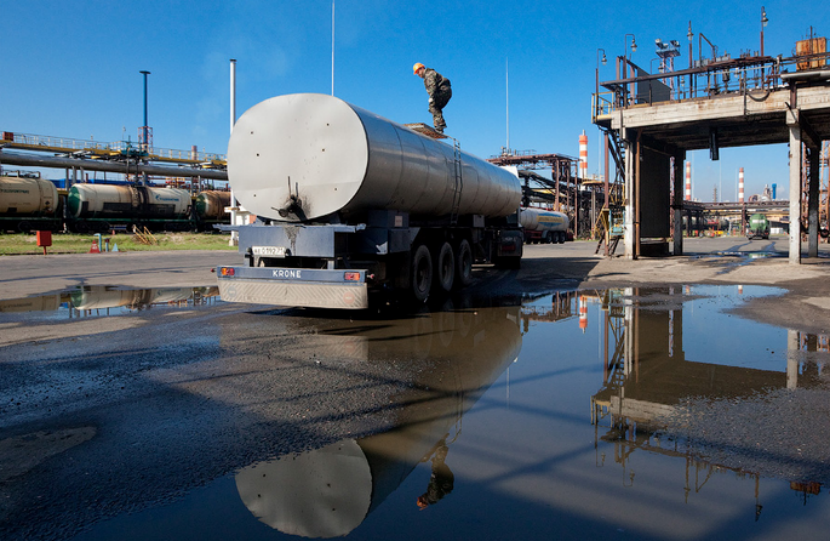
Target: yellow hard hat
{"points": [[417, 66]]}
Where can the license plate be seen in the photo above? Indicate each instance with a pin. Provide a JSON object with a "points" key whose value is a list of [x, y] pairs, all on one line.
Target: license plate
{"points": [[269, 251]]}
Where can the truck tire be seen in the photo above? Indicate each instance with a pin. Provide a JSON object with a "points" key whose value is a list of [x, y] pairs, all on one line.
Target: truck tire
{"points": [[445, 268], [464, 264], [422, 274]]}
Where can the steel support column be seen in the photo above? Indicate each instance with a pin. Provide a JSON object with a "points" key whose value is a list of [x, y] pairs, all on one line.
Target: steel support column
{"points": [[629, 215], [678, 203], [795, 191], [813, 200]]}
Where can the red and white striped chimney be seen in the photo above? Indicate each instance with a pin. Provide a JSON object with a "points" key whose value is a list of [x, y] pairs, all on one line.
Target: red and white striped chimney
{"points": [[584, 155], [741, 184], [583, 311], [688, 192]]}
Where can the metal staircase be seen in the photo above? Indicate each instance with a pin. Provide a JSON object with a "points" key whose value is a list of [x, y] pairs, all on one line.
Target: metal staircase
{"points": [[611, 217]]}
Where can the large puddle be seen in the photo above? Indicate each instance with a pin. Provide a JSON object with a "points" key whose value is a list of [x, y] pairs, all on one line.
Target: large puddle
{"points": [[105, 301], [649, 413]]}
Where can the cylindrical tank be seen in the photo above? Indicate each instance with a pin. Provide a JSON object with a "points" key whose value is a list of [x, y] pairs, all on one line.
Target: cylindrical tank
{"points": [[115, 201], [23, 196], [543, 220], [758, 226], [304, 156], [210, 204]]}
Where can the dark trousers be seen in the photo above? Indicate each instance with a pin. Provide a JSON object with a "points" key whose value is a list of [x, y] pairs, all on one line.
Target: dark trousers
{"points": [[439, 102]]}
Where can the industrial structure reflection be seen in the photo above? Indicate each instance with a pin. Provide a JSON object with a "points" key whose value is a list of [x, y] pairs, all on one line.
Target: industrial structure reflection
{"points": [[656, 399]]}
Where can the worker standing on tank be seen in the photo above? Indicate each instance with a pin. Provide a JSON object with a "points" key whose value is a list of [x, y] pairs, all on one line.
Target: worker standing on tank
{"points": [[438, 88]]}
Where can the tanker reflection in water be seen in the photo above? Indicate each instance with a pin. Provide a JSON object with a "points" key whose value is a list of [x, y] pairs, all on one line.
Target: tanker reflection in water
{"points": [[100, 300], [328, 492]]}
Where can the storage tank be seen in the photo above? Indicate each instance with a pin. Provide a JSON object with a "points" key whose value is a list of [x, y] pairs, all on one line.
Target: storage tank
{"points": [[304, 156], [117, 201], [27, 196], [210, 204]]}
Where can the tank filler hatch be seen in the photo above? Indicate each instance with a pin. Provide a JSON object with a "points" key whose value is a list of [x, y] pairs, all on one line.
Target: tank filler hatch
{"points": [[425, 130]]}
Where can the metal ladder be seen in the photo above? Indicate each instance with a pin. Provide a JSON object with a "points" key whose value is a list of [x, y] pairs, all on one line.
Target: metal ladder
{"points": [[457, 182]]}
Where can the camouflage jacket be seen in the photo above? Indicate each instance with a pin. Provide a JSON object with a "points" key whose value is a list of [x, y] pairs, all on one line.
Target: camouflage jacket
{"points": [[433, 82]]}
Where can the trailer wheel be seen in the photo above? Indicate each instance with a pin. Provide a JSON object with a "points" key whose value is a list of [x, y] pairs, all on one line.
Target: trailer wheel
{"points": [[445, 267], [561, 237], [464, 264], [422, 274]]}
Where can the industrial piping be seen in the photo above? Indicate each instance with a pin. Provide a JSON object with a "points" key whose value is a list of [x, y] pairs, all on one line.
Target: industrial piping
{"points": [[29, 160]]}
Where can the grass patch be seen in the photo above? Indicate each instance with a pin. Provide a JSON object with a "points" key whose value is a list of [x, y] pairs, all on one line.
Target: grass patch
{"points": [[22, 244]]}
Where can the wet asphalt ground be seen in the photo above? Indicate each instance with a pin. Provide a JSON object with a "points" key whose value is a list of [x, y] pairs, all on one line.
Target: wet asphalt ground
{"points": [[111, 410]]}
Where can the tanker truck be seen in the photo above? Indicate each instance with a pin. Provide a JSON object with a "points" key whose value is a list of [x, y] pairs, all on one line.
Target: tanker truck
{"points": [[541, 225], [350, 204]]}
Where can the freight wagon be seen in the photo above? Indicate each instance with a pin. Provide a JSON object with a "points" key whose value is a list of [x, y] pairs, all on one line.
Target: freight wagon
{"points": [[758, 226], [28, 202]]}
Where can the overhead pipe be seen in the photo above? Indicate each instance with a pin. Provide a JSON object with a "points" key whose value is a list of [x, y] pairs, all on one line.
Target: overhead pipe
{"points": [[57, 162]]}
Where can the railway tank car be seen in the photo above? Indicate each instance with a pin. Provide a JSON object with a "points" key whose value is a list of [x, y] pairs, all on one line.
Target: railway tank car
{"points": [[209, 208], [28, 202], [758, 227], [98, 206]]}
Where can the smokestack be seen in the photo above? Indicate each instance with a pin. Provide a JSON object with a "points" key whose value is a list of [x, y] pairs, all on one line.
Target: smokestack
{"points": [[584, 313], [584, 155], [741, 185], [688, 192]]}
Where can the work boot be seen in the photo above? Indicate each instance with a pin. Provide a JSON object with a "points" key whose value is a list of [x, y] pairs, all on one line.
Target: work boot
{"points": [[440, 129]]}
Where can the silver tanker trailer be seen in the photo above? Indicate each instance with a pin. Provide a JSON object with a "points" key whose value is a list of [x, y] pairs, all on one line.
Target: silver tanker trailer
{"points": [[541, 225], [349, 202]]}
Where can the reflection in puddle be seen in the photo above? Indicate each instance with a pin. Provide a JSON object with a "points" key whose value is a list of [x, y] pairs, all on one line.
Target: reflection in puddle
{"points": [[709, 398], [638, 413], [453, 357], [648, 382], [96, 301]]}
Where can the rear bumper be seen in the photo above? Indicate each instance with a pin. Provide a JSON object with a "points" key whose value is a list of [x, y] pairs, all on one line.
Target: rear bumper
{"points": [[293, 287]]}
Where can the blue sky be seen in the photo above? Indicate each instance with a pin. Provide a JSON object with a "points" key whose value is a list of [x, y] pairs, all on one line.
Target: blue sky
{"points": [[71, 69]]}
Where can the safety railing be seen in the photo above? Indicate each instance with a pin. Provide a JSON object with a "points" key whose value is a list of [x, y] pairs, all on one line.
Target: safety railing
{"points": [[66, 144], [708, 78]]}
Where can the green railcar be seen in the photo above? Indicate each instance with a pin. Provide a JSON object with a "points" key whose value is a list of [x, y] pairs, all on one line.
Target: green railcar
{"points": [[758, 227]]}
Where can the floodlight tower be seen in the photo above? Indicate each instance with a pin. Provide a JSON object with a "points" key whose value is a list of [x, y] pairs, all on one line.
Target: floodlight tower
{"points": [[145, 131]]}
